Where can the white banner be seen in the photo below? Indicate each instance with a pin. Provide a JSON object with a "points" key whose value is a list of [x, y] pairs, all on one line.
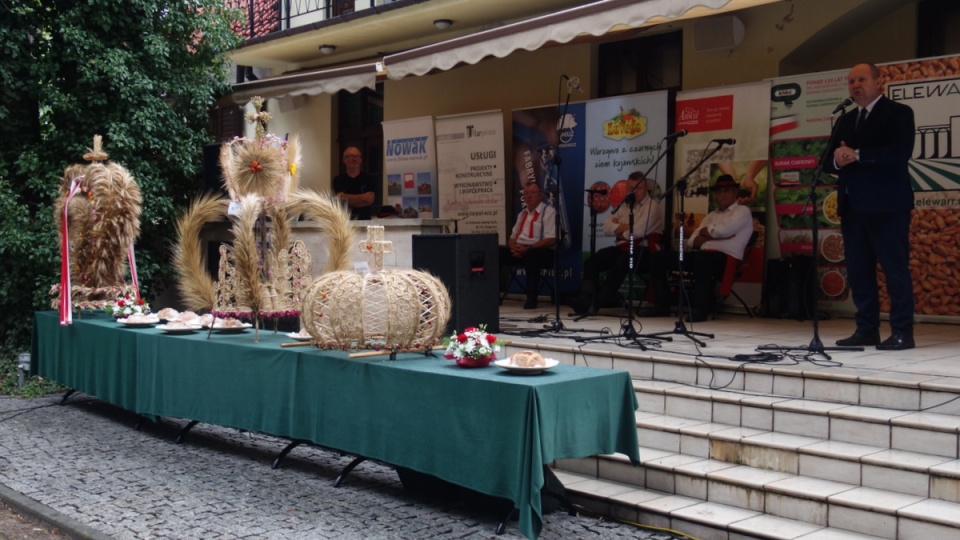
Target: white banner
{"points": [[471, 172], [623, 136], [411, 167]]}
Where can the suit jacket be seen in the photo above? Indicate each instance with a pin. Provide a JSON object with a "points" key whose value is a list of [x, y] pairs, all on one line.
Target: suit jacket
{"points": [[880, 181]]}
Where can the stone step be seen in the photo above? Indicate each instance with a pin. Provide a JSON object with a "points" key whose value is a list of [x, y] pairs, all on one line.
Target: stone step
{"points": [[682, 406], [852, 386], [791, 507], [915, 473]]}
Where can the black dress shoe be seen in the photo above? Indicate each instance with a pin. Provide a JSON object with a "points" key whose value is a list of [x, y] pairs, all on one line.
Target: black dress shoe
{"points": [[859, 339], [530, 304], [897, 342], [653, 313], [696, 317]]}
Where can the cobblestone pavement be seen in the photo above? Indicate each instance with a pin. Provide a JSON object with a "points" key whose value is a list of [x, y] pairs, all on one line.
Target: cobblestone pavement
{"points": [[87, 464]]}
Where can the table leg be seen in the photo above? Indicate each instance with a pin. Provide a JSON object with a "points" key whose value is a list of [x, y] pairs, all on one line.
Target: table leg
{"points": [[347, 469], [283, 453]]}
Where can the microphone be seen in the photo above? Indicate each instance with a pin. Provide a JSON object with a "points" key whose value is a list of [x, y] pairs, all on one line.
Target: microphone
{"points": [[596, 191], [677, 135], [843, 105], [573, 83], [722, 142]]}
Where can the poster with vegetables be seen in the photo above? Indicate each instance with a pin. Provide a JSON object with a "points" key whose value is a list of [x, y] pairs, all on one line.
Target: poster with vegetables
{"points": [[802, 112]]}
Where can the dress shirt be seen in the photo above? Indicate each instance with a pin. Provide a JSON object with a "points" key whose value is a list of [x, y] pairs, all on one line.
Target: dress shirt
{"points": [[542, 221], [730, 228], [647, 219]]}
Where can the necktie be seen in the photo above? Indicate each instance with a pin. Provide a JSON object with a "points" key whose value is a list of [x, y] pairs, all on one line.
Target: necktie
{"points": [[861, 119], [523, 221]]}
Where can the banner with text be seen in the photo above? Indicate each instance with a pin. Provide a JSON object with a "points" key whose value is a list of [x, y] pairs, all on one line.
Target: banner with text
{"points": [[471, 172], [624, 134], [801, 122], [728, 133], [548, 148], [411, 167]]}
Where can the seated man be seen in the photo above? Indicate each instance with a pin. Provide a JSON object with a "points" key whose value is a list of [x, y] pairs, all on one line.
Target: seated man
{"points": [[532, 240], [615, 260], [724, 231]]}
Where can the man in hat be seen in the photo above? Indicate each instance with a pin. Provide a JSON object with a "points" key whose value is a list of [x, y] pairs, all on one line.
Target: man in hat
{"points": [[724, 231]]}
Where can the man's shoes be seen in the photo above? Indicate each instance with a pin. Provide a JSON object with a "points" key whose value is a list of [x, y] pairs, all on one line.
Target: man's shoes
{"points": [[696, 317], [861, 339], [531, 303], [653, 313], [897, 342]]}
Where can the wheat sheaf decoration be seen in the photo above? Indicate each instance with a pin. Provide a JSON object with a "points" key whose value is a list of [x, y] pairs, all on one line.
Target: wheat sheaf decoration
{"points": [[97, 215]]}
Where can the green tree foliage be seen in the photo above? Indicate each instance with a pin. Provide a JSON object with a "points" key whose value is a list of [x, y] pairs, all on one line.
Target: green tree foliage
{"points": [[141, 73]]}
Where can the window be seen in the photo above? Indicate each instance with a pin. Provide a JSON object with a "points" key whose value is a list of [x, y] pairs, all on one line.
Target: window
{"points": [[643, 64]]}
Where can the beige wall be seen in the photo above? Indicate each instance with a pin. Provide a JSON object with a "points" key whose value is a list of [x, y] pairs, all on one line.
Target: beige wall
{"points": [[779, 38], [311, 120], [786, 38]]}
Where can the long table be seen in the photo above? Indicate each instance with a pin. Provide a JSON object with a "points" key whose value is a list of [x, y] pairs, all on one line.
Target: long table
{"points": [[485, 429]]}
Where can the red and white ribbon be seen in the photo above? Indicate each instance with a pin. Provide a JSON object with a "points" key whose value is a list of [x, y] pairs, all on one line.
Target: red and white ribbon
{"points": [[66, 289]]}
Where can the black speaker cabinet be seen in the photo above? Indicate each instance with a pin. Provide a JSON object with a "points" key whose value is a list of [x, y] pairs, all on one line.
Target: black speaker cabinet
{"points": [[469, 267]]}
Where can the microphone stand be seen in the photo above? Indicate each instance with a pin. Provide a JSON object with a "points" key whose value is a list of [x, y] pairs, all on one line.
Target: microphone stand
{"points": [[681, 185], [626, 329], [557, 325], [816, 345]]}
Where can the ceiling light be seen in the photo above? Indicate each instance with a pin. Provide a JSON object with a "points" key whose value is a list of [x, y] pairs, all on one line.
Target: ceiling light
{"points": [[443, 24], [327, 49]]}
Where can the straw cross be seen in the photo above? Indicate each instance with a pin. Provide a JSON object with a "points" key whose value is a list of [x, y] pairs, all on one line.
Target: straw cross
{"points": [[375, 246]]}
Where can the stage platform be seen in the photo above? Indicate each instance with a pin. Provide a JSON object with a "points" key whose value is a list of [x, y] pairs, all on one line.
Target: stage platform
{"points": [[936, 357]]}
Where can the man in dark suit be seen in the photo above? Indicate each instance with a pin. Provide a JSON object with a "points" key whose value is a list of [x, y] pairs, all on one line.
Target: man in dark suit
{"points": [[872, 146]]}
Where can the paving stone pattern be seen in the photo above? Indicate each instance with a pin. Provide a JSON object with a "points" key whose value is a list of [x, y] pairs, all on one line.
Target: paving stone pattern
{"points": [[86, 460]]}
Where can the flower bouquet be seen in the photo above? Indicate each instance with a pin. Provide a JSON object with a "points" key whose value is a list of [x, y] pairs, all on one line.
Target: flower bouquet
{"points": [[126, 305], [472, 348]]}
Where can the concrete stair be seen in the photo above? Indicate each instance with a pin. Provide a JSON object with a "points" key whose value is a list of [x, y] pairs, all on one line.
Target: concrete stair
{"points": [[779, 452]]}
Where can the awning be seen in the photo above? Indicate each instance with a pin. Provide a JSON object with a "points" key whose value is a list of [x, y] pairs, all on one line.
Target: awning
{"points": [[310, 83], [595, 19]]}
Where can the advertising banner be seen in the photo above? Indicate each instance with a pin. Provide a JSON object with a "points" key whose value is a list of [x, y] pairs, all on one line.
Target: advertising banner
{"points": [[802, 115], [728, 133], [411, 167], [548, 148], [623, 135], [471, 173]]}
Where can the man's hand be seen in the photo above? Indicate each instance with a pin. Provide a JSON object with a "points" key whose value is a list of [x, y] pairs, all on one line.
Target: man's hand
{"points": [[844, 155], [701, 237]]}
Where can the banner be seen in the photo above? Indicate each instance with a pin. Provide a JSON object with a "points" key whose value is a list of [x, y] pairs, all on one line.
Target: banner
{"points": [[411, 167], [548, 148], [623, 135], [801, 122], [470, 162], [730, 128]]}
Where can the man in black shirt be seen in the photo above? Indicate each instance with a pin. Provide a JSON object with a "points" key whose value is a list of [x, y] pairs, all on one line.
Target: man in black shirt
{"points": [[359, 189]]}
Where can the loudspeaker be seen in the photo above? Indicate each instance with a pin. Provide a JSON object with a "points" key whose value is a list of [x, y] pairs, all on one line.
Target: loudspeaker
{"points": [[721, 32], [468, 265]]}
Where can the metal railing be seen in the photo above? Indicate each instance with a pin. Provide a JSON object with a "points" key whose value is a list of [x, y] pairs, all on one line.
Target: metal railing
{"points": [[264, 17]]}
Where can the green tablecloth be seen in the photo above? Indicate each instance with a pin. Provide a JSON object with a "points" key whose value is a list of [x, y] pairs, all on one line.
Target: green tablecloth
{"points": [[485, 429]]}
